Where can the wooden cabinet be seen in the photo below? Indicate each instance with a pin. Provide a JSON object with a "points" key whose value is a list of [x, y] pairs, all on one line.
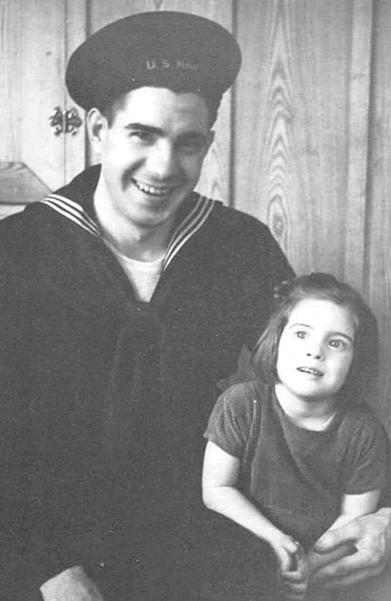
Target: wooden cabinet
{"points": [[38, 37]]}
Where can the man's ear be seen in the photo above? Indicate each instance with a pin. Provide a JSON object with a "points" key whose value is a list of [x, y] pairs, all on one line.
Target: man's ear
{"points": [[96, 127]]}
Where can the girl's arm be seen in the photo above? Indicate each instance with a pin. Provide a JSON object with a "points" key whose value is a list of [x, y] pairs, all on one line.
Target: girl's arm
{"points": [[354, 506], [219, 481]]}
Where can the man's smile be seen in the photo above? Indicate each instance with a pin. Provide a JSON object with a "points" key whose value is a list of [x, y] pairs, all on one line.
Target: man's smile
{"points": [[152, 190]]}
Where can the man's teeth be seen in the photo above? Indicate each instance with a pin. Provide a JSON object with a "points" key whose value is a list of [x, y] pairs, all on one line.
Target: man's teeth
{"points": [[310, 370], [151, 189]]}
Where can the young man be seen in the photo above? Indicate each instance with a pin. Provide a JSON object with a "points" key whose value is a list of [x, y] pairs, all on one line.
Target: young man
{"points": [[125, 298]]}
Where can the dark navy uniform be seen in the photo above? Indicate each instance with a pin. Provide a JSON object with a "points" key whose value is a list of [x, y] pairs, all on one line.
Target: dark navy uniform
{"points": [[104, 399]]}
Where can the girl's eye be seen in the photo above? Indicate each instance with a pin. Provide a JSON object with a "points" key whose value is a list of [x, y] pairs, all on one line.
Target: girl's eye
{"points": [[337, 343], [300, 334]]}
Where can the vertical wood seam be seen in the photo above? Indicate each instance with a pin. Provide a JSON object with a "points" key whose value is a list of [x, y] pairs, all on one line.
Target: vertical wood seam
{"points": [[358, 124], [233, 124]]}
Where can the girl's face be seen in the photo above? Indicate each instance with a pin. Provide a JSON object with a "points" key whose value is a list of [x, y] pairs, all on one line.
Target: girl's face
{"points": [[316, 349]]}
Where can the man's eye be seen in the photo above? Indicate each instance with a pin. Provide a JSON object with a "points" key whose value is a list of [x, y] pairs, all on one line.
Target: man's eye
{"points": [[191, 145], [143, 136]]}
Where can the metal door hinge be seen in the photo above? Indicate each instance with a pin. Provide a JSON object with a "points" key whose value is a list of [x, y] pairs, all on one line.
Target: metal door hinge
{"points": [[65, 122]]}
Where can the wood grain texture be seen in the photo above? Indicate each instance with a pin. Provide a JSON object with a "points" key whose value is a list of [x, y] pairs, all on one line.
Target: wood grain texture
{"points": [[313, 151], [75, 30], [291, 135], [10, 79], [36, 36], [378, 255], [43, 56], [358, 143]]}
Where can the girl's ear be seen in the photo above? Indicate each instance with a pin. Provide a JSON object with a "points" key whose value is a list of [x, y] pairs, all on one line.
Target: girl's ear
{"points": [[96, 128]]}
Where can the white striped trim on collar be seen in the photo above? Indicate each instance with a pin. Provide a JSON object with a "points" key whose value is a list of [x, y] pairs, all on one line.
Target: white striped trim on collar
{"points": [[73, 211], [193, 221], [189, 226]]}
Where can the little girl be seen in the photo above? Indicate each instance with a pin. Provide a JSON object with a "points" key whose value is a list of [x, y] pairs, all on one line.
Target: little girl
{"points": [[296, 452]]}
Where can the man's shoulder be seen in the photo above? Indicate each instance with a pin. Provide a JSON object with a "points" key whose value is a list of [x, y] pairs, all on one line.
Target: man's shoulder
{"points": [[29, 232], [20, 224], [39, 219], [230, 217], [12, 230], [247, 242], [244, 233], [82, 187]]}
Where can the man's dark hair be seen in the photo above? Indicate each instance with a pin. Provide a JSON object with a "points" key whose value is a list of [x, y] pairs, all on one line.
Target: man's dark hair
{"points": [[110, 109]]}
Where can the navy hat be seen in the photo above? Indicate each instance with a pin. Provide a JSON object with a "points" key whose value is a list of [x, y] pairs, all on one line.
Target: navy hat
{"points": [[175, 50]]}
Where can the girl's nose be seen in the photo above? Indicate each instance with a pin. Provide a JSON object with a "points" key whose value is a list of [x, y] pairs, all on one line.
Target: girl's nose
{"points": [[315, 352], [315, 349]]}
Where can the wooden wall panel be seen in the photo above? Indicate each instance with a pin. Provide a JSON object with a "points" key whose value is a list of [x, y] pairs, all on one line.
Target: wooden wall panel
{"points": [[291, 133], [43, 61], [36, 36], [378, 247], [75, 30], [10, 79], [358, 143], [215, 178], [32, 62]]}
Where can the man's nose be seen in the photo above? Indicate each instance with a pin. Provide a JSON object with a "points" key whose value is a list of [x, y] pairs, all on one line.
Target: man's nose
{"points": [[162, 160]]}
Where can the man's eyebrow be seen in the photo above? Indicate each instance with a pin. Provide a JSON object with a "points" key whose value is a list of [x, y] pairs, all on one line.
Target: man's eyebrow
{"points": [[193, 134], [143, 127], [159, 132]]}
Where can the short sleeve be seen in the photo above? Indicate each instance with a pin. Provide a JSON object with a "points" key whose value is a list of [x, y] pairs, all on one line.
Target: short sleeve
{"points": [[230, 421], [370, 464]]}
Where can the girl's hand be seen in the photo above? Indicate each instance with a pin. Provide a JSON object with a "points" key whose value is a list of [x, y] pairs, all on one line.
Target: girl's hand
{"points": [[294, 578], [286, 548]]}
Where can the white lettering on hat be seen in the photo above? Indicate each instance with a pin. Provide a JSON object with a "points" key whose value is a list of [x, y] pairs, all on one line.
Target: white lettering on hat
{"points": [[187, 65], [166, 64], [158, 64]]}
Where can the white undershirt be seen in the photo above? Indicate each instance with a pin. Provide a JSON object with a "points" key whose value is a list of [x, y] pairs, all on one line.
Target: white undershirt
{"points": [[143, 275]]}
